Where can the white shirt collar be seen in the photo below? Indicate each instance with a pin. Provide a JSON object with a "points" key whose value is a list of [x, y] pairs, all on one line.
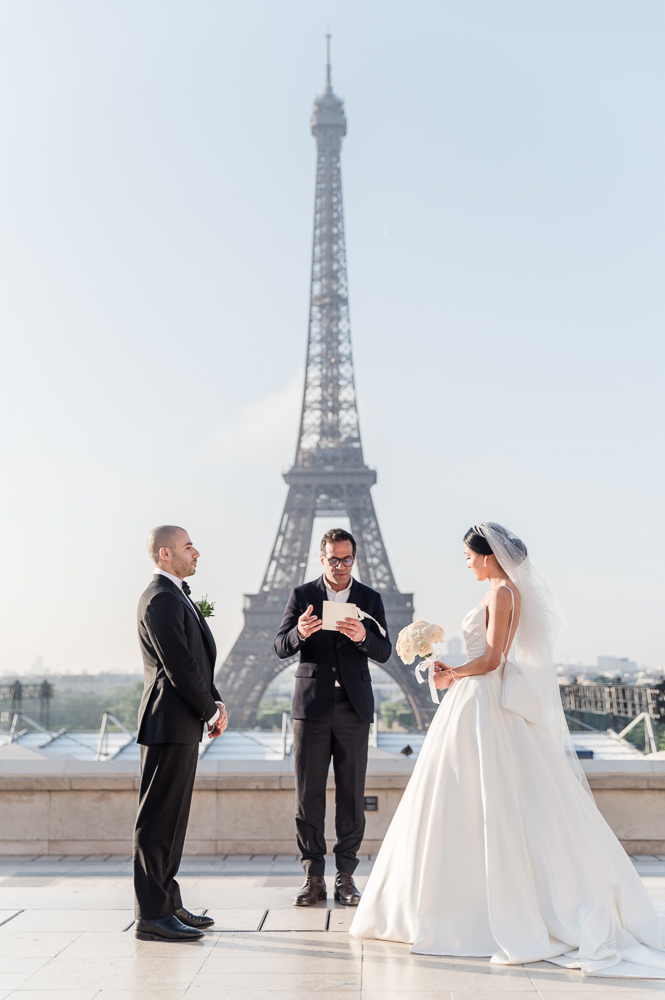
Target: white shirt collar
{"points": [[171, 577], [338, 595]]}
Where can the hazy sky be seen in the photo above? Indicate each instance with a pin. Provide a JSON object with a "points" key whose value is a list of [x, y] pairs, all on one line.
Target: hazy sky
{"points": [[503, 184]]}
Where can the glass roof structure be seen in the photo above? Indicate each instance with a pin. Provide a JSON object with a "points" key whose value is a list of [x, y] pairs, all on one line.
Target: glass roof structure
{"points": [[261, 744]]}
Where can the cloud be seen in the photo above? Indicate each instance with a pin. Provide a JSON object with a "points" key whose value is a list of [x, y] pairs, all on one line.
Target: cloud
{"points": [[262, 433]]}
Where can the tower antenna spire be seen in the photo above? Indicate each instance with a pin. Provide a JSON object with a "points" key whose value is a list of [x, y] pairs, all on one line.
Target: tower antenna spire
{"points": [[329, 477], [328, 82]]}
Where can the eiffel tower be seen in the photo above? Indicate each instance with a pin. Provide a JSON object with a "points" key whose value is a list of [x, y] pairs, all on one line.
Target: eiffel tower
{"points": [[329, 477]]}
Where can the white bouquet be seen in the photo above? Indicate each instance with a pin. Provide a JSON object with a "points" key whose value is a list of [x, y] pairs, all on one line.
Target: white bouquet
{"points": [[418, 639], [426, 640]]}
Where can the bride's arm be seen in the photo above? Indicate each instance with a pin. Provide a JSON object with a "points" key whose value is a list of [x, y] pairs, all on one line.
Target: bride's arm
{"points": [[499, 606]]}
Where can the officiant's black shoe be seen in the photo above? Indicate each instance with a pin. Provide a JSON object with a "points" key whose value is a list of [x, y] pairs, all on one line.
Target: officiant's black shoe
{"points": [[313, 891], [166, 929], [193, 919], [346, 892]]}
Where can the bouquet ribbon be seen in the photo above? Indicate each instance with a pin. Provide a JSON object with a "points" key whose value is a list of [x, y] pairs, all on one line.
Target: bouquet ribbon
{"points": [[363, 614], [427, 666]]}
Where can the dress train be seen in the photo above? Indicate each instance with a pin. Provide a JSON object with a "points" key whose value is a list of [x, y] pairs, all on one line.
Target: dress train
{"points": [[497, 850]]}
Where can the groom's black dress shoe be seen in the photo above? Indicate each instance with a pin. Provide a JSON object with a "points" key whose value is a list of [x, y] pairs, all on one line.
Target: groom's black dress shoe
{"points": [[193, 919], [313, 891], [345, 890], [166, 929]]}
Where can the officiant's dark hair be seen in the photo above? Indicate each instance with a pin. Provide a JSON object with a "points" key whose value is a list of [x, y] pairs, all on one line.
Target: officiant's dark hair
{"points": [[477, 543], [337, 535]]}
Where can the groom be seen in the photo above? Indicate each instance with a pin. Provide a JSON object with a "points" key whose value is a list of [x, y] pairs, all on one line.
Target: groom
{"points": [[179, 698], [333, 706]]}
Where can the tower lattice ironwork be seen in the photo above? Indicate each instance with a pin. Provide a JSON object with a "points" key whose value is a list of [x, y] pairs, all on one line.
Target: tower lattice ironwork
{"points": [[329, 477]]}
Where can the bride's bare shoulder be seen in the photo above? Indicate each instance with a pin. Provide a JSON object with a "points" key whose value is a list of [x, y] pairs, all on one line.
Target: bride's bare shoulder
{"points": [[499, 597]]}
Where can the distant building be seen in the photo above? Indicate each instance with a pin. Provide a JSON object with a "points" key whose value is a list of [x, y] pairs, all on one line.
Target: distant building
{"points": [[455, 655], [612, 665]]}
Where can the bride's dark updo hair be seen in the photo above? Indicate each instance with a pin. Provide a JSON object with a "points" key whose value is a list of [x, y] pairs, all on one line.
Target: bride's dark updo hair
{"points": [[477, 542]]}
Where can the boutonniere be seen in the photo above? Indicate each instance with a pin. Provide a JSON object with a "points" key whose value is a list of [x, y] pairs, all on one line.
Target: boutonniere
{"points": [[206, 607]]}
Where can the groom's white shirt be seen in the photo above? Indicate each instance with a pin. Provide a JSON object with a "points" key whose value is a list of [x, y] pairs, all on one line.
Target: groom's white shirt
{"points": [[178, 583]]}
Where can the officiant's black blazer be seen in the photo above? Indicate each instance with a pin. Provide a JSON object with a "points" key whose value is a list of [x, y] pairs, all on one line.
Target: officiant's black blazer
{"points": [[326, 656], [179, 656]]}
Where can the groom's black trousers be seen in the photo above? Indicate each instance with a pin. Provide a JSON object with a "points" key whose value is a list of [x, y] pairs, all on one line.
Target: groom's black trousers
{"points": [[342, 735], [167, 781]]}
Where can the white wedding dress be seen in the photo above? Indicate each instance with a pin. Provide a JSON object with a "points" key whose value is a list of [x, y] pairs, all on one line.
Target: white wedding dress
{"points": [[497, 849]]}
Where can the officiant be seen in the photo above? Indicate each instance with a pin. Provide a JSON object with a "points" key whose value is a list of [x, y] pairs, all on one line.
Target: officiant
{"points": [[333, 706]]}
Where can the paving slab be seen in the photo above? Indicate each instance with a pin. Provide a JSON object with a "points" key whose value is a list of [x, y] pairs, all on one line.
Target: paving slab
{"points": [[341, 917], [153, 994], [195, 992], [410, 995], [236, 920], [296, 918], [278, 952], [260, 982], [64, 939], [72, 920], [85, 994], [12, 980]]}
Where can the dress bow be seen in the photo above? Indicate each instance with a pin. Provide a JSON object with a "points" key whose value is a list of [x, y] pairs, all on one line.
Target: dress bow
{"points": [[519, 697]]}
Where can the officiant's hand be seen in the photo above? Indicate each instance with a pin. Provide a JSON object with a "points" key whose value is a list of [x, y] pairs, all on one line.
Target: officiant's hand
{"points": [[308, 623], [353, 628]]}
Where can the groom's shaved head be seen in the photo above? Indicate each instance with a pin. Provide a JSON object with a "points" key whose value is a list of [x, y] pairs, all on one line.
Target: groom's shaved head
{"points": [[164, 536]]}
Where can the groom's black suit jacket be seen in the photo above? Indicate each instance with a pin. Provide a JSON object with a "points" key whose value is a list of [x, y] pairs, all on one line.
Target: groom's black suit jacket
{"points": [[179, 656], [329, 656]]}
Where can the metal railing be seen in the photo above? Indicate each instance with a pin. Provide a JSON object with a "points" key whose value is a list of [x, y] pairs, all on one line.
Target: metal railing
{"points": [[650, 743], [287, 735], [625, 700], [15, 733], [374, 732], [102, 743]]}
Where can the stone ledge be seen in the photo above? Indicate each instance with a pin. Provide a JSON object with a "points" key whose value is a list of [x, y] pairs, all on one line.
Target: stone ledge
{"points": [[268, 782], [643, 846], [46, 808]]}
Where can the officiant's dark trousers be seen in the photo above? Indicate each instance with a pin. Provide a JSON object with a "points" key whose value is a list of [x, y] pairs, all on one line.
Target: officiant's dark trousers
{"points": [[342, 735], [167, 781]]}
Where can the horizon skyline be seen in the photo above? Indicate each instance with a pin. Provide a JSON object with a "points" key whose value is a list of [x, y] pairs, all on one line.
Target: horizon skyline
{"points": [[36, 671]]}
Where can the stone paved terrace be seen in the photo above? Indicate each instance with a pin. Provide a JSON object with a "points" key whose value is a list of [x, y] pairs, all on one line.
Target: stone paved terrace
{"points": [[66, 934]]}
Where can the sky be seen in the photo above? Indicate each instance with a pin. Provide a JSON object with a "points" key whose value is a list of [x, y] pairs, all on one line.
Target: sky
{"points": [[503, 196]]}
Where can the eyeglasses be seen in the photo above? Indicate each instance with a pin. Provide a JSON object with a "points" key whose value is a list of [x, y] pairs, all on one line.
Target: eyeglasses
{"points": [[334, 562]]}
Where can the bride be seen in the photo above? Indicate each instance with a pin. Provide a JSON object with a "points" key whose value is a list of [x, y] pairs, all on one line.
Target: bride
{"points": [[497, 847]]}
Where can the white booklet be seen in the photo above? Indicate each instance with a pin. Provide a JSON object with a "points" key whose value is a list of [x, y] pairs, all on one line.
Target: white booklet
{"points": [[335, 611]]}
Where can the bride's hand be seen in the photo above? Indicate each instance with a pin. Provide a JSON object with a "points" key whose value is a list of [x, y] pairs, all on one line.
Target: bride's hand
{"points": [[443, 675]]}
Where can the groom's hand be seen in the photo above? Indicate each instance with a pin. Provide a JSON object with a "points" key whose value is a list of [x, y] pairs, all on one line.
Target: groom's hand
{"points": [[220, 723], [355, 630], [308, 623]]}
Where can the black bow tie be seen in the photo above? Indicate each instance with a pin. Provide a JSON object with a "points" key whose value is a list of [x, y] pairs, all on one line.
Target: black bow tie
{"points": [[186, 588]]}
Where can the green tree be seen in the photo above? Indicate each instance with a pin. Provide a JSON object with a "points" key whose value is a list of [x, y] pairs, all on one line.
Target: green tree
{"points": [[399, 711], [124, 704], [81, 711], [269, 714]]}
